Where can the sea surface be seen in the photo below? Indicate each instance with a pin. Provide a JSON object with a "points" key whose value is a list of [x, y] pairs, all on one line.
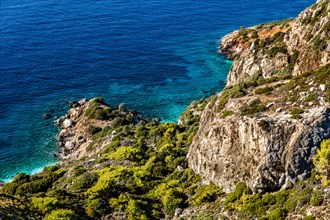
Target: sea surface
{"points": [[155, 55]]}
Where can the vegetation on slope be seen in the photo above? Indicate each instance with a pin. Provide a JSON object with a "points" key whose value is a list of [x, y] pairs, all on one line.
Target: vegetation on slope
{"points": [[147, 179]]}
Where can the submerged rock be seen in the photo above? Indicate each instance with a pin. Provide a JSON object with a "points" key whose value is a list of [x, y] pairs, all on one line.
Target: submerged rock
{"points": [[46, 116]]}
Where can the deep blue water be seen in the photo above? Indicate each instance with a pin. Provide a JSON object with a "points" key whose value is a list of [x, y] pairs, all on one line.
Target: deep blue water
{"points": [[156, 56]]}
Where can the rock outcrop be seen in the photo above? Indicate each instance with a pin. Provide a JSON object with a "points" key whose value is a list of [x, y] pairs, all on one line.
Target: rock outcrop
{"points": [[265, 131], [290, 46]]}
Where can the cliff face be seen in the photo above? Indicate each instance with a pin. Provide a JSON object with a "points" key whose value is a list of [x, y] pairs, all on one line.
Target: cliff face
{"points": [[265, 130], [291, 46]]}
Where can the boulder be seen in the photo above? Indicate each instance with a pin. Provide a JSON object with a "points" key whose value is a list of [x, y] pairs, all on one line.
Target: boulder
{"points": [[67, 123]]}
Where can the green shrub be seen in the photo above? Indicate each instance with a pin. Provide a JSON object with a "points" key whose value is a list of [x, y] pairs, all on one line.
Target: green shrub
{"points": [[136, 210], [240, 190], [308, 217], [226, 114], [281, 196], [61, 214], [265, 90], [268, 199], [78, 170], [172, 199], [119, 203], [206, 193], [277, 49], [96, 207], [93, 130], [205, 215], [254, 107], [85, 181], [299, 196], [296, 113], [316, 198], [107, 180], [45, 204], [277, 214], [322, 162], [126, 153], [311, 98], [97, 109]]}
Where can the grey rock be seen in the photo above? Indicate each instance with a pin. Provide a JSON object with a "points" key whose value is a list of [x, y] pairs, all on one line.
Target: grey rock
{"points": [[178, 211], [234, 149]]}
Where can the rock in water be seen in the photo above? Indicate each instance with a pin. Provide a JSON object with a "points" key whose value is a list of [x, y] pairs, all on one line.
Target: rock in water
{"points": [[46, 116]]}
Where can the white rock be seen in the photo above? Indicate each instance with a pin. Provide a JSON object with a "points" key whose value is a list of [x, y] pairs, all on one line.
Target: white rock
{"points": [[278, 110], [73, 112], [69, 145], [312, 89], [178, 211], [180, 168], [67, 123], [270, 104], [322, 87], [82, 101], [63, 132], [303, 94]]}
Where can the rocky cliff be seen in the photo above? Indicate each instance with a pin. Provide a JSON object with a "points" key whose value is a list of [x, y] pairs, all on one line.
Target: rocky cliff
{"points": [[266, 125], [292, 46]]}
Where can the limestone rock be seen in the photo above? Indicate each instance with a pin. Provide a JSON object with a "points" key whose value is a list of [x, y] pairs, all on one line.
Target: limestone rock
{"points": [[67, 123], [227, 151]]}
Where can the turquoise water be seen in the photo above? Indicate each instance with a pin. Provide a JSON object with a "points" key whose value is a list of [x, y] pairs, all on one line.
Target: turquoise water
{"points": [[156, 56]]}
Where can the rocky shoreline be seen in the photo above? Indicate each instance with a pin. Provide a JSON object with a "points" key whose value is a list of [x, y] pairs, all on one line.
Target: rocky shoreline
{"points": [[77, 128]]}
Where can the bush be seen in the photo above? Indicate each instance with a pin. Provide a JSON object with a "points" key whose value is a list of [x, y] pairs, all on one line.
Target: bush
{"points": [[205, 215], [277, 214], [93, 130], [296, 113], [226, 114], [240, 190], [44, 205], [206, 193], [126, 153], [254, 107], [299, 196], [97, 109], [96, 207], [136, 210], [322, 162], [172, 199], [308, 217], [85, 181], [316, 198], [265, 90], [61, 214]]}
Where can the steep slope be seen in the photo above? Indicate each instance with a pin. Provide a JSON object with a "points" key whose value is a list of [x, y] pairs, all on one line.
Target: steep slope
{"points": [[266, 125], [291, 46]]}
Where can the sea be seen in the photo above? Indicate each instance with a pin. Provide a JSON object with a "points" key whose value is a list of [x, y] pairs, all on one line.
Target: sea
{"points": [[157, 56]]}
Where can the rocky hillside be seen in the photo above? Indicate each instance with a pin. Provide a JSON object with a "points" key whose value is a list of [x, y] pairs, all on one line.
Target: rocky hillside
{"points": [[260, 149], [292, 46], [266, 125]]}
